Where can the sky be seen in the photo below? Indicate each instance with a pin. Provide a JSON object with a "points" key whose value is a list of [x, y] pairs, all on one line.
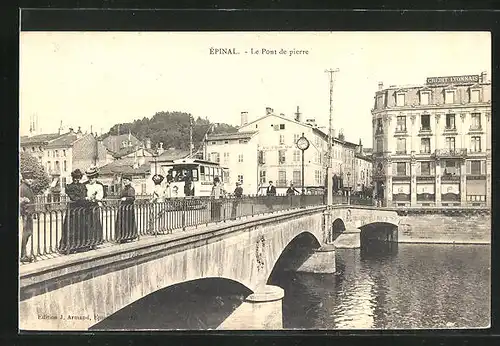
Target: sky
{"points": [[99, 79]]}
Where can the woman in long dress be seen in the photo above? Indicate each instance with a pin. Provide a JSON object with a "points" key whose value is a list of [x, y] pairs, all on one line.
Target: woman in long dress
{"points": [[158, 210], [73, 224], [95, 194], [125, 226]]}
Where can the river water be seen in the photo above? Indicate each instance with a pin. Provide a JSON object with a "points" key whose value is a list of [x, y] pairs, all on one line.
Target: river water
{"points": [[390, 287], [408, 286]]}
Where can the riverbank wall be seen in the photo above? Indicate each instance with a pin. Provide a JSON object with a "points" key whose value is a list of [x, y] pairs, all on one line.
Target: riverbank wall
{"points": [[445, 228]]}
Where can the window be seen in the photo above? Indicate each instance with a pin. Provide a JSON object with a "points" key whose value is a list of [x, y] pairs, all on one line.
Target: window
{"points": [[202, 173], [380, 129], [282, 126], [281, 156], [296, 138], [64, 153], [214, 142], [65, 168], [425, 168], [475, 121], [282, 178], [400, 100], [63, 182], [143, 188], [226, 158], [57, 166], [33, 149], [215, 157], [49, 166], [227, 142], [296, 155], [475, 167], [56, 153], [424, 98], [297, 177], [241, 141], [380, 145], [317, 177], [262, 175], [425, 145], [475, 144], [450, 143], [449, 96], [401, 124], [425, 122], [240, 179], [451, 167], [401, 168], [474, 96], [240, 157], [401, 146], [262, 157], [450, 121], [282, 139], [380, 101]]}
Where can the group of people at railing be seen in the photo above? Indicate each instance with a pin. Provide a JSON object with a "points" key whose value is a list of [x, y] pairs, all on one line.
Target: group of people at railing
{"points": [[82, 225]]}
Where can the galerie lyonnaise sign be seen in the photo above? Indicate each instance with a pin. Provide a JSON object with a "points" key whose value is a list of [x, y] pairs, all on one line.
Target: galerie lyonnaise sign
{"points": [[453, 79]]}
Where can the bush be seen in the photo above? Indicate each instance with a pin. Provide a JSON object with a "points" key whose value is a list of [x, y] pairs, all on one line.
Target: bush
{"points": [[42, 179]]}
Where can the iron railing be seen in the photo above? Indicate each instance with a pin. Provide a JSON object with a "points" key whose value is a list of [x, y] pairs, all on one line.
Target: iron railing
{"points": [[81, 228]]}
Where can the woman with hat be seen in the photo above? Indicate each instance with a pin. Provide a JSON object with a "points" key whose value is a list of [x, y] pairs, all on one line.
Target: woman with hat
{"points": [[74, 222], [125, 227], [156, 212], [95, 194]]}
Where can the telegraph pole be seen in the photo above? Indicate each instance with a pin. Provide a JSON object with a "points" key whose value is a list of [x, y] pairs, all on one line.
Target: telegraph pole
{"points": [[329, 174], [190, 136]]}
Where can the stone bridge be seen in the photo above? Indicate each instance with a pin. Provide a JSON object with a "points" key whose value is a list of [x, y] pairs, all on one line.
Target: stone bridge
{"points": [[77, 291]]}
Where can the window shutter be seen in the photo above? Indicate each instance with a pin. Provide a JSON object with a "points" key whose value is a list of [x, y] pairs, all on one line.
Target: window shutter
{"points": [[407, 168], [483, 167], [394, 168], [433, 168], [418, 168], [468, 167]]}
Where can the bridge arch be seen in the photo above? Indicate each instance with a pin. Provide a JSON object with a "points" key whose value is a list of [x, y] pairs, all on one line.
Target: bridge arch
{"points": [[201, 303], [336, 229], [379, 232], [296, 250]]}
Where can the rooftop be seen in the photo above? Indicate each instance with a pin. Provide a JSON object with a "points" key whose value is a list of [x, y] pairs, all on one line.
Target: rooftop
{"points": [[124, 166], [233, 135], [39, 139], [65, 140]]}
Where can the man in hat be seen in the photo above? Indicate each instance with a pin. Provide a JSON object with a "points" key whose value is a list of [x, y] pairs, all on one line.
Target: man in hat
{"points": [[238, 193], [125, 226], [26, 204]]}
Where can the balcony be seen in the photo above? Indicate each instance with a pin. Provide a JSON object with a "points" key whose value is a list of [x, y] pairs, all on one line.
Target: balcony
{"points": [[476, 128], [400, 131], [425, 131], [451, 152], [401, 152], [450, 129]]}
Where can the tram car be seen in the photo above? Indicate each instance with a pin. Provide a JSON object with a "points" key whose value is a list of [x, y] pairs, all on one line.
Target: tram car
{"points": [[188, 178]]}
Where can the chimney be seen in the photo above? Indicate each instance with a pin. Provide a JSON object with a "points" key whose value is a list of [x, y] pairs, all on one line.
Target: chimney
{"points": [[60, 128], [148, 143], [79, 132], [244, 118], [160, 148], [380, 86], [298, 115], [71, 130], [484, 77], [269, 110]]}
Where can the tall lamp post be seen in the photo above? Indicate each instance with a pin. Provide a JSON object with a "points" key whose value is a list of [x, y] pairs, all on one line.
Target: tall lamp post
{"points": [[348, 187], [302, 144]]}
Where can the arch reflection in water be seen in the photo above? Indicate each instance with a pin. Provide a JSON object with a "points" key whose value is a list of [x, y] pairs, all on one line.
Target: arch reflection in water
{"points": [[194, 305]]}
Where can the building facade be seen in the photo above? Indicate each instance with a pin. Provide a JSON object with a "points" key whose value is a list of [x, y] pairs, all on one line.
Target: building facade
{"points": [[265, 150], [432, 142]]}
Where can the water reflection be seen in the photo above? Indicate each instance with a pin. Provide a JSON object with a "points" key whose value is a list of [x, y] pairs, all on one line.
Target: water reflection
{"points": [[410, 286]]}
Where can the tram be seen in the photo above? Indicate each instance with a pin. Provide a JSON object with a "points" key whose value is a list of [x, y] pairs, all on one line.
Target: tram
{"points": [[199, 174]]}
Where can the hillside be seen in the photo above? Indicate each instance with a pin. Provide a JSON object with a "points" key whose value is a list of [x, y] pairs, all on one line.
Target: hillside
{"points": [[171, 128]]}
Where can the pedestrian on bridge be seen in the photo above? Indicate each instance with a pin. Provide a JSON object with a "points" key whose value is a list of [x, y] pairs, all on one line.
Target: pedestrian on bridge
{"points": [[95, 194], [216, 202], [26, 200], [238, 193], [74, 222], [271, 194], [125, 226]]}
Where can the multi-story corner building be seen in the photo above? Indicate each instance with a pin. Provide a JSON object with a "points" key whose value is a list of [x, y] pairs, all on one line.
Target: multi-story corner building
{"points": [[363, 170], [265, 149], [70, 151], [432, 142]]}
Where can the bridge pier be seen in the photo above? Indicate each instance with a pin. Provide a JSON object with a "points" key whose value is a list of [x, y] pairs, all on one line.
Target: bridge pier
{"points": [[263, 309], [349, 239], [321, 261]]}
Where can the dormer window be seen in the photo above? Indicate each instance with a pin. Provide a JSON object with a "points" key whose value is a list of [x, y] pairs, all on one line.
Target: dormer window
{"points": [[425, 96], [400, 99], [449, 96], [475, 94]]}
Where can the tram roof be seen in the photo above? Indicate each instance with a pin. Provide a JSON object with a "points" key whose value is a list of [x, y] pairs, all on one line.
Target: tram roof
{"points": [[195, 161]]}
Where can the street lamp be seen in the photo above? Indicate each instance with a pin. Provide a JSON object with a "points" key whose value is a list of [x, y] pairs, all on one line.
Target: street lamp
{"points": [[302, 144], [348, 187]]}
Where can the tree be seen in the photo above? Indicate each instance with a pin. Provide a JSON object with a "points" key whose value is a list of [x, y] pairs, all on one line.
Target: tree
{"points": [[30, 163]]}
